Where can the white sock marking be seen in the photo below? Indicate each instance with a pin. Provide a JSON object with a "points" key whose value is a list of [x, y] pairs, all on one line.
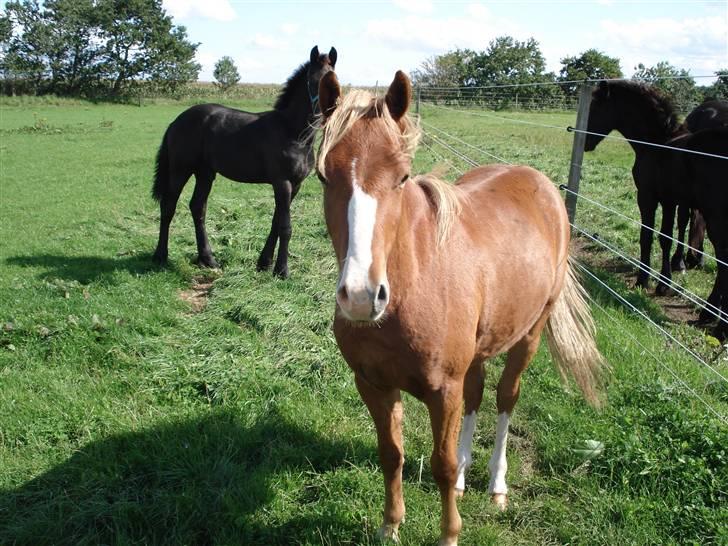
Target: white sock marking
{"points": [[465, 449], [498, 464], [362, 214]]}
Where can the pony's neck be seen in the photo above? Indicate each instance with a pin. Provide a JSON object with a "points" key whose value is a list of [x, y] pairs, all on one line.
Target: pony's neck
{"points": [[300, 113], [638, 123]]}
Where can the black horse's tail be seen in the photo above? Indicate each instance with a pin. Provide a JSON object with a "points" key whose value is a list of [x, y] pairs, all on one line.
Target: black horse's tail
{"points": [[161, 171]]}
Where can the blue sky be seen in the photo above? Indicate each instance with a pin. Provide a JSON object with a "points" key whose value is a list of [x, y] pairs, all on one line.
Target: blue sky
{"points": [[375, 38]]}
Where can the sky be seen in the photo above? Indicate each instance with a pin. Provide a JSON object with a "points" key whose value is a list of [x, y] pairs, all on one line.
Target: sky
{"points": [[268, 39]]}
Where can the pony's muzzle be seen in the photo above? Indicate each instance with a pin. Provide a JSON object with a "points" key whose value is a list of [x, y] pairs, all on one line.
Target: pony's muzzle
{"points": [[361, 303]]}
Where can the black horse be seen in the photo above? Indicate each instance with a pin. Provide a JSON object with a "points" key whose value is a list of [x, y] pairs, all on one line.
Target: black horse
{"points": [[274, 147], [707, 178], [641, 112]]}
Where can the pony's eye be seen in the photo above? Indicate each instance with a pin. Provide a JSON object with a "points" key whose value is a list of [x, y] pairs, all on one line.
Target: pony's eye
{"points": [[321, 178], [404, 179]]}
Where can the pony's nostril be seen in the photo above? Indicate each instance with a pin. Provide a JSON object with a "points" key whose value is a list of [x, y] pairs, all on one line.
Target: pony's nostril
{"points": [[382, 294], [342, 293]]}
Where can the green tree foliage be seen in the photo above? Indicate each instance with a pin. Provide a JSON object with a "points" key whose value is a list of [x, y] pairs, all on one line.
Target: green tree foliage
{"points": [[717, 90], [676, 83], [226, 73], [591, 64], [449, 70], [93, 47]]}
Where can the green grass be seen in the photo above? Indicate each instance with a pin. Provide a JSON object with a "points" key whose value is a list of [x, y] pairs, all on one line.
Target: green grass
{"points": [[125, 418]]}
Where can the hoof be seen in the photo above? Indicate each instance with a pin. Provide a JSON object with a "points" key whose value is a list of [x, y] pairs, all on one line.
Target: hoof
{"points": [[263, 265], [389, 533], [281, 273], [678, 266], [208, 262], [448, 542], [663, 290], [459, 493], [642, 283], [159, 258], [500, 500]]}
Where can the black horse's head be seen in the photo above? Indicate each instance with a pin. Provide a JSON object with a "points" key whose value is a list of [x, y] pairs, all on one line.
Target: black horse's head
{"points": [[601, 116], [320, 64]]}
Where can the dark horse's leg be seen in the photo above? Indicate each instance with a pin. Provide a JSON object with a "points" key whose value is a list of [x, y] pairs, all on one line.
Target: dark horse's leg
{"points": [[167, 207], [280, 229], [696, 237], [683, 216], [647, 204], [198, 208], [668, 220]]}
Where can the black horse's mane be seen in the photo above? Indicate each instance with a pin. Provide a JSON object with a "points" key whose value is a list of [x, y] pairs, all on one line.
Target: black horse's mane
{"points": [[660, 105], [289, 88]]}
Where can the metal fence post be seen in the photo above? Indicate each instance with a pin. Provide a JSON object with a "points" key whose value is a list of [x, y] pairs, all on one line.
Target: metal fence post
{"points": [[577, 149]]}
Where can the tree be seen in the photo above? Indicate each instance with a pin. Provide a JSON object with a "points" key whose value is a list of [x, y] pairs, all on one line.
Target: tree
{"points": [[717, 90], [226, 73], [675, 83], [92, 46], [449, 70], [591, 64]]}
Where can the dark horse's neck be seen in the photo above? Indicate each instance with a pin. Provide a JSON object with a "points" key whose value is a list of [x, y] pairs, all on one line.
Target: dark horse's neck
{"points": [[645, 114], [296, 103]]}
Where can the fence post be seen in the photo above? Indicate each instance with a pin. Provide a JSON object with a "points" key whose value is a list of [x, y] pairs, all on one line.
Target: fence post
{"points": [[419, 96], [577, 149]]}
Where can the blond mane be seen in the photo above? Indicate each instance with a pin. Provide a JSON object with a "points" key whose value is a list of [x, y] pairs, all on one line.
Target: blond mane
{"points": [[358, 104]]}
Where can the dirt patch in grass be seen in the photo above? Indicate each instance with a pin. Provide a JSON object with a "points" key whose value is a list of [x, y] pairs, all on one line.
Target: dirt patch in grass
{"points": [[196, 295]]}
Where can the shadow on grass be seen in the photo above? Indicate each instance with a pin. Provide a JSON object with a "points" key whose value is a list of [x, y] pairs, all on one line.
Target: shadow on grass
{"points": [[206, 481], [86, 269]]}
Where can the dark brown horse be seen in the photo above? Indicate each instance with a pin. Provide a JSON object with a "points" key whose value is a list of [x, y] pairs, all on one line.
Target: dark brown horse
{"points": [[274, 147], [431, 284], [641, 112]]}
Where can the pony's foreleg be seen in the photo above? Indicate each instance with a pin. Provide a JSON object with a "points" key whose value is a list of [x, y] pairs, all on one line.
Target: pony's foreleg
{"points": [[198, 208], [648, 206], [385, 407], [280, 228], [678, 259], [473, 394], [696, 238], [445, 408], [167, 207], [668, 221], [509, 389]]}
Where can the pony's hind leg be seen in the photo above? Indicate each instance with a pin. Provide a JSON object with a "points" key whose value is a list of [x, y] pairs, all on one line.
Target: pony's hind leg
{"points": [[668, 221], [385, 407], [167, 206], [647, 205], [198, 208], [678, 259], [509, 389], [473, 394]]}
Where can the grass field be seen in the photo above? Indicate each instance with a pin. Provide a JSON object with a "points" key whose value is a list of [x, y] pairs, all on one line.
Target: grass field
{"points": [[130, 416]]}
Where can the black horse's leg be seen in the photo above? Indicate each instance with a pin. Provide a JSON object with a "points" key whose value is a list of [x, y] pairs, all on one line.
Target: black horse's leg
{"points": [[266, 255], [167, 207], [198, 208], [647, 205], [283, 204], [721, 285], [696, 238], [668, 220], [683, 216]]}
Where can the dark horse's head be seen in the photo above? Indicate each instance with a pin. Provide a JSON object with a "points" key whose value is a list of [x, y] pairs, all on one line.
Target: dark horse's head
{"points": [[601, 116], [319, 65], [636, 110]]}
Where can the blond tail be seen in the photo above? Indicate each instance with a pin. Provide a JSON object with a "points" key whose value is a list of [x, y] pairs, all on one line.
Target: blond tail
{"points": [[570, 334]]}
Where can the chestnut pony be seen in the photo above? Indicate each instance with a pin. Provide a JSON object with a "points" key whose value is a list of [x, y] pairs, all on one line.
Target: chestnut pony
{"points": [[436, 278]]}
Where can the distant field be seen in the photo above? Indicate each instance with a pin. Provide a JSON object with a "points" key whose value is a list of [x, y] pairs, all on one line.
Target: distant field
{"points": [[128, 418]]}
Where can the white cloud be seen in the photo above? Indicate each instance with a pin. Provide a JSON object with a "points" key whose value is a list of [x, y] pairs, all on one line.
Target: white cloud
{"points": [[290, 28], [697, 43], [430, 35], [219, 10], [414, 6], [266, 41]]}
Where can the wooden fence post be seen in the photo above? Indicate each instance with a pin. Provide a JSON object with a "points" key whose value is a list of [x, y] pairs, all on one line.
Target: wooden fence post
{"points": [[577, 149], [419, 96]]}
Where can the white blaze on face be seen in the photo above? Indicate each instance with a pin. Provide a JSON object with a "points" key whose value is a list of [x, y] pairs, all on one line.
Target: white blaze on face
{"points": [[362, 214], [465, 449], [498, 464]]}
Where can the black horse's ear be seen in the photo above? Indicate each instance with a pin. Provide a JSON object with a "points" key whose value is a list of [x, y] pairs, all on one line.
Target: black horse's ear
{"points": [[314, 54], [399, 95], [603, 89], [332, 57], [329, 93]]}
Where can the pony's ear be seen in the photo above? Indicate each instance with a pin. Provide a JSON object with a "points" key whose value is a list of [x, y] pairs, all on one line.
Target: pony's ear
{"points": [[332, 57], [329, 93], [399, 95], [603, 90], [315, 55]]}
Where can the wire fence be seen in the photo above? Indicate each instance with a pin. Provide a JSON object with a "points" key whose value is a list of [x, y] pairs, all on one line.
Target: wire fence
{"points": [[454, 146]]}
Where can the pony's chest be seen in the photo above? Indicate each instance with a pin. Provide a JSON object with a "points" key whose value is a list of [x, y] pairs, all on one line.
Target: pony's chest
{"points": [[299, 159]]}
